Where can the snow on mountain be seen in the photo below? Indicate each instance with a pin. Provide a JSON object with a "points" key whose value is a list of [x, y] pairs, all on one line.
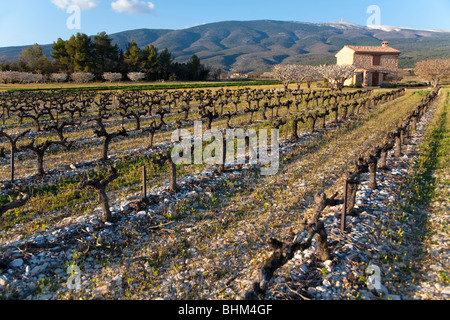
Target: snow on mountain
{"points": [[391, 28]]}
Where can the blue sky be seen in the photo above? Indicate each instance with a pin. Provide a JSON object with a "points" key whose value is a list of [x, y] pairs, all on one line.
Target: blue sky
{"points": [[24, 22]]}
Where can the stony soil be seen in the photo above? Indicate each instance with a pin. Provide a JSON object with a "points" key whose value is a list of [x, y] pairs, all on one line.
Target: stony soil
{"points": [[381, 235]]}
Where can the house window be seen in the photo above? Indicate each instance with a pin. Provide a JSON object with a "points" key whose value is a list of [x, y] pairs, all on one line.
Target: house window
{"points": [[376, 61]]}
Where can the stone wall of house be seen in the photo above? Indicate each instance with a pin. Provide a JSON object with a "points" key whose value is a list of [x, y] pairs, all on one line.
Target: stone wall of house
{"points": [[387, 62], [362, 60], [390, 62]]}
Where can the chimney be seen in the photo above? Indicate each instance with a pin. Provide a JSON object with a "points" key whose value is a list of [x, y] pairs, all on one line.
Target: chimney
{"points": [[385, 44]]}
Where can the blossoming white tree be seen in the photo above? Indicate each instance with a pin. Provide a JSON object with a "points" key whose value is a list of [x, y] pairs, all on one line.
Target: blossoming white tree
{"points": [[136, 76], [433, 70], [82, 77], [58, 77], [336, 74], [20, 77], [288, 73], [305, 73], [285, 73], [299, 74], [112, 76]]}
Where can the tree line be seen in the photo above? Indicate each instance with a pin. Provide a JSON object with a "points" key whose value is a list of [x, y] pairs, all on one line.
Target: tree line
{"points": [[98, 55]]}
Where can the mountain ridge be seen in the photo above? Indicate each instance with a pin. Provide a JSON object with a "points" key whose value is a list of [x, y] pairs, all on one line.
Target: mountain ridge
{"points": [[259, 44]]}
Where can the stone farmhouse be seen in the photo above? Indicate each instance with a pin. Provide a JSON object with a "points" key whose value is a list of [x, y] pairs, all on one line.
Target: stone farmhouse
{"points": [[375, 65]]}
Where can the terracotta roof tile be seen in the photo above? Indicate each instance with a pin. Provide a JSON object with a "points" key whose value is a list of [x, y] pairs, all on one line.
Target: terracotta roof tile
{"points": [[373, 49]]}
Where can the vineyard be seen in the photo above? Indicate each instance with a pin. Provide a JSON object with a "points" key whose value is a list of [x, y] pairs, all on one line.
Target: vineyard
{"points": [[87, 180]]}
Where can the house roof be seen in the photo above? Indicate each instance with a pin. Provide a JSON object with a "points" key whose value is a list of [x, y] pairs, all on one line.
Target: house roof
{"points": [[374, 49]]}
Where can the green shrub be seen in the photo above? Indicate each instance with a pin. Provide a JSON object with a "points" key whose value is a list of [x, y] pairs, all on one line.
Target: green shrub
{"points": [[388, 85]]}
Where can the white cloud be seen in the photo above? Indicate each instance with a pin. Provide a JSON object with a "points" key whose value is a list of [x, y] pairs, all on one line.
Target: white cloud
{"points": [[132, 6], [82, 4]]}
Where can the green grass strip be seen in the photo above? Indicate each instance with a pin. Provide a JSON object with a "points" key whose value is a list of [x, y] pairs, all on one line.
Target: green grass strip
{"points": [[433, 153], [155, 86]]}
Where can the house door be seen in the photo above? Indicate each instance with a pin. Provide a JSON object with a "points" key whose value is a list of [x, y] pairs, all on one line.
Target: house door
{"points": [[375, 79]]}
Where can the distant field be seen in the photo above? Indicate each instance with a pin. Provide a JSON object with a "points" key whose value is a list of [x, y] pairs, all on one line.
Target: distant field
{"points": [[99, 86]]}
